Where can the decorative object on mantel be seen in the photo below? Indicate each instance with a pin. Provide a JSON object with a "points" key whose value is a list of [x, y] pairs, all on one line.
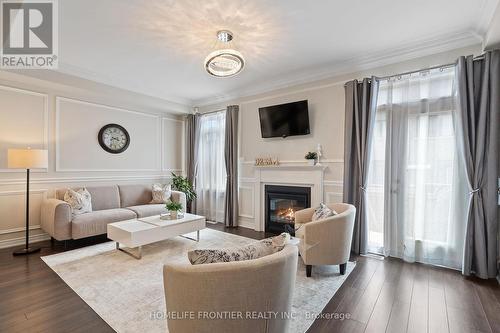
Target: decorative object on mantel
{"points": [[311, 157], [319, 151], [267, 161], [173, 208], [27, 159]]}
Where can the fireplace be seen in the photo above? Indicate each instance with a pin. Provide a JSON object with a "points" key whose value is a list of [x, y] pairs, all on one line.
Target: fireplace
{"points": [[281, 202]]}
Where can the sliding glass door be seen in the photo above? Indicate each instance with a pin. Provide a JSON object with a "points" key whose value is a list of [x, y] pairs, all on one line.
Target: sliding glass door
{"points": [[416, 190]]}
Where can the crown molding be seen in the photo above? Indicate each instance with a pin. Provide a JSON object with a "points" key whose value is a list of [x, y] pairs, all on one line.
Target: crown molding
{"points": [[486, 15], [408, 51], [176, 103]]}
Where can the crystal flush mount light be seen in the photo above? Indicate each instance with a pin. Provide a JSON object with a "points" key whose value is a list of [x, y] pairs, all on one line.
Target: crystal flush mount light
{"points": [[224, 61]]}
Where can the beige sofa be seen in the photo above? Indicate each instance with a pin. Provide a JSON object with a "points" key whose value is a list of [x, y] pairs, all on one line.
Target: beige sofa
{"points": [[109, 204], [327, 241], [237, 288]]}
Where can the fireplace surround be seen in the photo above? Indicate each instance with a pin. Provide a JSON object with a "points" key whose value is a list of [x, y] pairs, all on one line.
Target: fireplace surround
{"points": [[281, 202], [283, 175]]}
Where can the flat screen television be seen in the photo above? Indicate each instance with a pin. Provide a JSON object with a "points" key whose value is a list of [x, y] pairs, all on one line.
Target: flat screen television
{"points": [[284, 120]]}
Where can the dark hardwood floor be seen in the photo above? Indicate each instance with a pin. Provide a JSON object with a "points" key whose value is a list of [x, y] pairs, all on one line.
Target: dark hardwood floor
{"points": [[378, 296]]}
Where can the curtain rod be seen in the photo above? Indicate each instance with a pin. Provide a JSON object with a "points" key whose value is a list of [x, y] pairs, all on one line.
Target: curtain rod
{"points": [[383, 78], [214, 111]]}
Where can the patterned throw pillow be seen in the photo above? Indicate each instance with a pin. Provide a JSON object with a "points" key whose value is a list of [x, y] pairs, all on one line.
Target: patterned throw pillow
{"points": [[79, 200], [253, 251], [323, 212], [161, 193]]}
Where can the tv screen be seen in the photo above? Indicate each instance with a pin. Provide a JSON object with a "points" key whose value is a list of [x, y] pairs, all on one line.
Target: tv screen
{"points": [[284, 120]]}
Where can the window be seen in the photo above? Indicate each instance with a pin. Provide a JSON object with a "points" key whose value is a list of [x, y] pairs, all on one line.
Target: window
{"points": [[416, 194], [211, 168]]}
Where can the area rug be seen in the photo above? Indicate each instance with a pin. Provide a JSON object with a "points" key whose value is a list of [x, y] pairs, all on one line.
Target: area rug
{"points": [[128, 293]]}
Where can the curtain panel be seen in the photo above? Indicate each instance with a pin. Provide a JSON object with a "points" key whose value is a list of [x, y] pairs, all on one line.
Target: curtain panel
{"points": [[479, 107], [210, 166], [231, 159], [416, 193], [192, 129], [360, 107]]}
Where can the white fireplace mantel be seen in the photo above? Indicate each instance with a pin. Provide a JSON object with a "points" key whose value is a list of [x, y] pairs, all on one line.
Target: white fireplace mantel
{"points": [[286, 175]]}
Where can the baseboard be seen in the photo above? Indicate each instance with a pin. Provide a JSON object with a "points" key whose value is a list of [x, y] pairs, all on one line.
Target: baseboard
{"points": [[20, 240], [246, 224]]}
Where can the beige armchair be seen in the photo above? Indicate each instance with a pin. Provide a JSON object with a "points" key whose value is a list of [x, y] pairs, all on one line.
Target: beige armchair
{"points": [[237, 289], [328, 241]]}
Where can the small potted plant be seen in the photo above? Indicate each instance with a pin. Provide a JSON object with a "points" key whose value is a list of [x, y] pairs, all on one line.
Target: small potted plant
{"points": [[174, 208], [311, 157]]}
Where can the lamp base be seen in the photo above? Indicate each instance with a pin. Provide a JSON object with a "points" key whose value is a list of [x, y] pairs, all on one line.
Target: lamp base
{"points": [[25, 251]]}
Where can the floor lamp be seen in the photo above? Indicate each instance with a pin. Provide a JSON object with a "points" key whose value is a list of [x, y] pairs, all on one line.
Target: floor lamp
{"points": [[27, 159]]}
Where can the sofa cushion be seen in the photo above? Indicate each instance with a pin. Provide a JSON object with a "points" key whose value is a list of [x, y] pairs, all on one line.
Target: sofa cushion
{"points": [[252, 251], [95, 223], [323, 212], [148, 210], [103, 197], [135, 195], [80, 201], [161, 193]]}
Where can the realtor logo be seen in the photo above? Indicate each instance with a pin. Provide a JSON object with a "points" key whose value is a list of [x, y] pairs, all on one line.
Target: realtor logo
{"points": [[29, 34]]}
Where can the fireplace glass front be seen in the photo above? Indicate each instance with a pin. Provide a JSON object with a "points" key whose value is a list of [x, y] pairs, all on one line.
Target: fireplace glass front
{"points": [[281, 204]]}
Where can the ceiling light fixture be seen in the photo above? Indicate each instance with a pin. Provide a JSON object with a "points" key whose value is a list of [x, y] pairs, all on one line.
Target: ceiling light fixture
{"points": [[224, 61]]}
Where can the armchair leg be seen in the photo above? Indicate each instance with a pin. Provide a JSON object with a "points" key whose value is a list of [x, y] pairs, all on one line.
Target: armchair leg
{"points": [[342, 268], [308, 270]]}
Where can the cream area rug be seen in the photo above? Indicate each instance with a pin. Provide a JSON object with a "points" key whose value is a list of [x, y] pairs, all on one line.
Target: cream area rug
{"points": [[128, 293]]}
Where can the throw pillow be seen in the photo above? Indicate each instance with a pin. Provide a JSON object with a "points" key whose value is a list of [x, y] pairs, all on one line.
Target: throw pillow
{"points": [[161, 193], [79, 200], [252, 251], [323, 212]]}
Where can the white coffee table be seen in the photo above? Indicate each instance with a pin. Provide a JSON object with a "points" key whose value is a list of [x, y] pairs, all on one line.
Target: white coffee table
{"points": [[142, 231]]}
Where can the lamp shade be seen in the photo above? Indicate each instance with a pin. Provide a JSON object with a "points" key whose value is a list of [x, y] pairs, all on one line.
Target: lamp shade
{"points": [[27, 158]]}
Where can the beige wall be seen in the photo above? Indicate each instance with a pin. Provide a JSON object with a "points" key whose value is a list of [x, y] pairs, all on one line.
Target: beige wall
{"points": [[65, 120], [326, 105]]}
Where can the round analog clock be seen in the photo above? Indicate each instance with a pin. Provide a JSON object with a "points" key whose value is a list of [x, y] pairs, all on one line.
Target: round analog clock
{"points": [[114, 138]]}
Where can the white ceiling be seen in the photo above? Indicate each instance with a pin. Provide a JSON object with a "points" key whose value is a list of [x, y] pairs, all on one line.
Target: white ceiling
{"points": [[157, 47]]}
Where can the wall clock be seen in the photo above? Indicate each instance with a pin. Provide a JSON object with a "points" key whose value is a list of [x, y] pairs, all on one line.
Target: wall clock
{"points": [[114, 138]]}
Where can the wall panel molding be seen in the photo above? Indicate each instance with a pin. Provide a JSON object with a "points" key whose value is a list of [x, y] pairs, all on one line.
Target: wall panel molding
{"points": [[58, 111], [22, 181], [333, 183], [247, 180], [333, 197], [45, 135], [21, 192], [251, 214], [36, 198], [183, 147]]}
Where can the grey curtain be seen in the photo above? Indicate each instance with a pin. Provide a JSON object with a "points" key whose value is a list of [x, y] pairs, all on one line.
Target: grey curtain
{"points": [[231, 157], [479, 107], [191, 160], [360, 108]]}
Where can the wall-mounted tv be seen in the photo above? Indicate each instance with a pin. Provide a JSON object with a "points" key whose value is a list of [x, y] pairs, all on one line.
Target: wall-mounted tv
{"points": [[284, 120]]}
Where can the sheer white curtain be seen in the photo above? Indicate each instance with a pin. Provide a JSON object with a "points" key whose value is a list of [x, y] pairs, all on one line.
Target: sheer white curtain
{"points": [[416, 190], [211, 168]]}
